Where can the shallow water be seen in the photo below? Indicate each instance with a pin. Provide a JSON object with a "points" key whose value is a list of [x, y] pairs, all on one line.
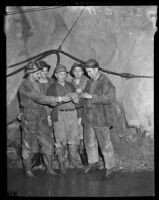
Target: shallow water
{"points": [[76, 183]]}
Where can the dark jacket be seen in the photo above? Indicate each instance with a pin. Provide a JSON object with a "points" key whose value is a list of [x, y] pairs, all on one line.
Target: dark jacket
{"points": [[100, 111], [32, 100], [52, 91]]}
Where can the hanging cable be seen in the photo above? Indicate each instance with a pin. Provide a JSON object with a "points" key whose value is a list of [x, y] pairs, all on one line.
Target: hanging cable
{"points": [[29, 59], [33, 10], [60, 46], [46, 53]]}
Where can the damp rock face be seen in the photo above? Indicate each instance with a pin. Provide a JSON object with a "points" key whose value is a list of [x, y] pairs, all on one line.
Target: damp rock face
{"points": [[121, 38]]}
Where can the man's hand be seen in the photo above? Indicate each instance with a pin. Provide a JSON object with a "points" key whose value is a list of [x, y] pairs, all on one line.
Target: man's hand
{"points": [[79, 121], [63, 99], [20, 116], [80, 95], [49, 120], [79, 90], [74, 97], [66, 98], [87, 96]]}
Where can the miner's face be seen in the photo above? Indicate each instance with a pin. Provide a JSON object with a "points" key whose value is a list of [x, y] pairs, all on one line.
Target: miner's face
{"points": [[61, 77], [77, 72], [44, 72], [36, 75], [92, 72]]}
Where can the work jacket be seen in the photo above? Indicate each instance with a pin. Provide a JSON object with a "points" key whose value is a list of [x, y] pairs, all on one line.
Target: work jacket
{"points": [[100, 111], [52, 91], [32, 100]]}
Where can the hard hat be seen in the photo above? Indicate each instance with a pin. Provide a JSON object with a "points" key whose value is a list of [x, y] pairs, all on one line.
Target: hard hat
{"points": [[32, 67], [60, 68], [92, 63]]}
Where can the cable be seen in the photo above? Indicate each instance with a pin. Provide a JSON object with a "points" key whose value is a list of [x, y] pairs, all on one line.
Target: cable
{"points": [[29, 59], [16, 71], [47, 53], [59, 45], [33, 10], [71, 28]]}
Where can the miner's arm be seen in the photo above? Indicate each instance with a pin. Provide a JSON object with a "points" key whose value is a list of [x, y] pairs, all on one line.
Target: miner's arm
{"points": [[107, 96], [37, 97]]}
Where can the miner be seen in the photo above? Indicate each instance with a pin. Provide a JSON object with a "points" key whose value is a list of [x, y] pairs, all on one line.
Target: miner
{"points": [[64, 117], [98, 117], [45, 82], [79, 81], [35, 132]]}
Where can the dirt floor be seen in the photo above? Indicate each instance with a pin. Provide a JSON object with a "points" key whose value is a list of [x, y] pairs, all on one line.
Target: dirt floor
{"points": [[76, 183]]}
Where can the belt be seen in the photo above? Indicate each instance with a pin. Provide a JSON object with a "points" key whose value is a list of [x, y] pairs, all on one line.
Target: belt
{"points": [[65, 110], [78, 108]]}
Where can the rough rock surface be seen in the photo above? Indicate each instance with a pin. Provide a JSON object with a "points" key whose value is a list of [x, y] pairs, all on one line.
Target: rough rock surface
{"points": [[121, 38]]}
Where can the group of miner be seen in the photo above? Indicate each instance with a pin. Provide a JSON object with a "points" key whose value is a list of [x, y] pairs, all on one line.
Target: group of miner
{"points": [[67, 118]]}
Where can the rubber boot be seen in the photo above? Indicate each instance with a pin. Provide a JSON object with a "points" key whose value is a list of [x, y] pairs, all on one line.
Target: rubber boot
{"points": [[108, 174], [27, 168], [60, 151], [73, 149], [90, 167], [83, 154], [48, 164], [36, 160]]}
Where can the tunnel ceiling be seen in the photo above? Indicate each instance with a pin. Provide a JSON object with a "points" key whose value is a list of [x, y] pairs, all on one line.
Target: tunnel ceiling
{"points": [[121, 38]]}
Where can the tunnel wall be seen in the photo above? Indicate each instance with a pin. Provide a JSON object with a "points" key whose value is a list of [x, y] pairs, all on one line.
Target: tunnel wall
{"points": [[121, 38]]}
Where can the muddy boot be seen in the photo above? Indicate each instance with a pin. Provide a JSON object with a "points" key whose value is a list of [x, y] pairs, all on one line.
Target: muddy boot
{"points": [[108, 174], [27, 168], [62, 167], [73, 149], [36, 160], [48, 165], [60, 151], [83, 154], [90, 166]]}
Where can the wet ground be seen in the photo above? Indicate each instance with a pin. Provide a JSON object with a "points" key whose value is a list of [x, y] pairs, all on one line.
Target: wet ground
{"points": [[76, 183]]}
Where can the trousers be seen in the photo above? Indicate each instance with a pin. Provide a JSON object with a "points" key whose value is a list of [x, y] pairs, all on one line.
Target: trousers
{"points": [[36, 134], [94, 136], [66, 128]]}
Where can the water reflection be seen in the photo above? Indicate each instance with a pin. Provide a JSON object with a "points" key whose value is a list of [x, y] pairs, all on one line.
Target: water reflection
{"points": [[77, 183]]}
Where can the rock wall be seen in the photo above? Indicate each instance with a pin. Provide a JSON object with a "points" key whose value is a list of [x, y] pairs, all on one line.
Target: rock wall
{"points": [[121, 38]]}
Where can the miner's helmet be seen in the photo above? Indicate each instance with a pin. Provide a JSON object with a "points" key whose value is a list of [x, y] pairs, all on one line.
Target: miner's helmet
{"points": [[60, 68], [92, 63], [32, 67], [43, 64]]}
